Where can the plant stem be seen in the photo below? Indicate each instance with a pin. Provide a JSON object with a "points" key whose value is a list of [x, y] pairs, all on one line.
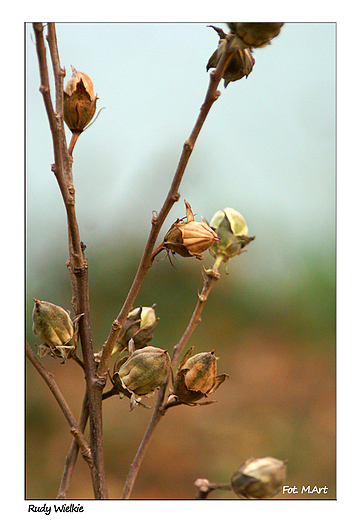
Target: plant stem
{"points": [[75, 428], [74, 138], [74, 448], [77, 263], [210, 278], [73, 452], [205, 487], [160, 406], [219, 259]]}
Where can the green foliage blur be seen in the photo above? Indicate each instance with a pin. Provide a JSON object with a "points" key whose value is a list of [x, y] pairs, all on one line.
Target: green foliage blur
{"points": [[276, 341]]}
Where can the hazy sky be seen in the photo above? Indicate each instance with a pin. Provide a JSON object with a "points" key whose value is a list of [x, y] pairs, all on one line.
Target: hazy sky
{"points": [[267, 148]]}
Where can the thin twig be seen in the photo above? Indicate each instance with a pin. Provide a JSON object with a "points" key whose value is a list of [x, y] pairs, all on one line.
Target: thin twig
{"points": [[59, 73], [160, 406], [74, 138], [45, 91], [50, 381], [73, 452], [205, 487], [210, 279], [77, 360]]}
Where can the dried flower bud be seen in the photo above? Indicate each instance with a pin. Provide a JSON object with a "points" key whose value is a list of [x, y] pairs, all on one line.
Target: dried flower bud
{"points": [[232, 230], [79, 101], [189, 238], [145, 370], [53, 325], [196, 377], [241, 63], [140, 325], [254, 34], [259, 478]]}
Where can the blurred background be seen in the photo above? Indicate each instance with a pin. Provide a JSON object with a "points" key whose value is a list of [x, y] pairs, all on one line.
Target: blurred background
{"points": [[267, 149]]}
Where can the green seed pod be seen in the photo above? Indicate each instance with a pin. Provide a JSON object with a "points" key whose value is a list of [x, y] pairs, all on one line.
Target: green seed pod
{"points": [[140, 325], [145, 370], [259, 478], [53, 325], [79, 101], [232, 230], [189, 238], [196, 377]]}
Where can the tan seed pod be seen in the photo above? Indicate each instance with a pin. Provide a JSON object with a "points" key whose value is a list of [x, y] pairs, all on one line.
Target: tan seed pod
{"points": [[189, 238], [79, 101]]}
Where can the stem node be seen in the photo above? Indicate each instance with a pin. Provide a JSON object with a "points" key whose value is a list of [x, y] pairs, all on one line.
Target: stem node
{"points": [[188, 147]]}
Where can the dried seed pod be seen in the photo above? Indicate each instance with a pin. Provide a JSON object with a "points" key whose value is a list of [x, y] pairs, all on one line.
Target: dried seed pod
{"points": [[53, 325], [79, 101], [145, 370], [189, 238], [255, 34], [243, 37], [259, 478], [240, 65], [196, 377]]}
